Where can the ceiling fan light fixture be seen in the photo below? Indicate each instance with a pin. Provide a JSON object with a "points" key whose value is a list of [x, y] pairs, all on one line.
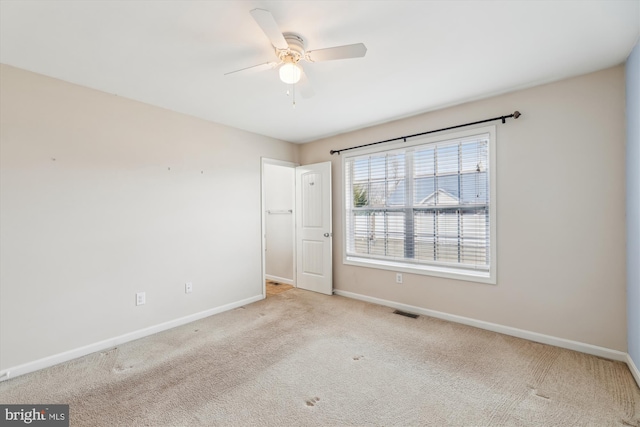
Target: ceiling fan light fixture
{"points": [[290, 73]]}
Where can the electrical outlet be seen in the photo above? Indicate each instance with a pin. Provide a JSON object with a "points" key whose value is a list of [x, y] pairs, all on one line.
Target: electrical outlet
{"points": [[398, 277], [141, 298], [188, 288]]}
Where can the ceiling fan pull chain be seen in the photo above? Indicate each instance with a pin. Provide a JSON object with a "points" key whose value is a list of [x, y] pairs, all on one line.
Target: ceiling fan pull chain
{"points": [[293, 88]]}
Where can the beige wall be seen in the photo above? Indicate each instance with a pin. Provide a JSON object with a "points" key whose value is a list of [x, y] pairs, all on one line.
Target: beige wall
{"points": [[561, 213], [81, 234]]}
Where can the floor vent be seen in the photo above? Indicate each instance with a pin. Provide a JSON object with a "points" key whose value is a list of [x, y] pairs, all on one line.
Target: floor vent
{"points": [[405, 314]]}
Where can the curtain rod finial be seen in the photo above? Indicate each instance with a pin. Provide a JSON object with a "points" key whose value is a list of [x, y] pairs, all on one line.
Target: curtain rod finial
{"points": [[516, 114]]}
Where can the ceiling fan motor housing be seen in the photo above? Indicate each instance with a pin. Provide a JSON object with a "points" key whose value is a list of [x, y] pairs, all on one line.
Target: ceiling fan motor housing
{"points": [[296, 48]]}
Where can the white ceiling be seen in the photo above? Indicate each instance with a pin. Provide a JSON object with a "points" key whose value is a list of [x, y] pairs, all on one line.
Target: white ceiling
{"points": [[422, 55]]}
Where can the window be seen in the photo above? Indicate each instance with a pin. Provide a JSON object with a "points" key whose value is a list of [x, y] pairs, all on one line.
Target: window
{"points": [[426, 207]]}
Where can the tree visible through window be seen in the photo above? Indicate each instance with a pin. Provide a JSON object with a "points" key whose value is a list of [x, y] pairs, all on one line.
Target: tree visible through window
{"points": [[424, 205]]}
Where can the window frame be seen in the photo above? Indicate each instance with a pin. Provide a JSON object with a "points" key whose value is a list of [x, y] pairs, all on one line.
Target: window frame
{"points": [[487, 277]]}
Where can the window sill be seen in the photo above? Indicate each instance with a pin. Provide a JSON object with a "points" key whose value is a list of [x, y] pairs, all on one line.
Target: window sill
{"points": [[426, 270]]}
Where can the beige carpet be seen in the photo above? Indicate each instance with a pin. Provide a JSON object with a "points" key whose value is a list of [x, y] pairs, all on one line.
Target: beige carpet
{"points": [[305, 359]]}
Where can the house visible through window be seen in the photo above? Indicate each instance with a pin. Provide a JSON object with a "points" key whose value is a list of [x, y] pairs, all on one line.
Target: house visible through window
{"points": [[427, 208]]}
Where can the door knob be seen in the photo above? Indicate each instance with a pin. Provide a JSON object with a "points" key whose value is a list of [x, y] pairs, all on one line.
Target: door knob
{"points": [[327, 234]]}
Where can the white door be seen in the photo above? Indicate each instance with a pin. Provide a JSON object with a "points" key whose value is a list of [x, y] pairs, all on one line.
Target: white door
{"points": [[313, 228]]}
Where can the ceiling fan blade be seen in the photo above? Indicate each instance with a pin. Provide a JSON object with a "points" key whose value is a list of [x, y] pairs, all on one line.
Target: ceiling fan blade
{"points": [[265, 20], [254, 68], [305, 88], [357, 50]]}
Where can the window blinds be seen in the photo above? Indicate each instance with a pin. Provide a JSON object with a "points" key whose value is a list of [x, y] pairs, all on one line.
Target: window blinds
{"points": [[426, 204]]}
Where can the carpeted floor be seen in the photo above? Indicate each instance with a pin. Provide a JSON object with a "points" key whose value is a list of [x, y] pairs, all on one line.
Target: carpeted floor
{"points": [[306, 359]]}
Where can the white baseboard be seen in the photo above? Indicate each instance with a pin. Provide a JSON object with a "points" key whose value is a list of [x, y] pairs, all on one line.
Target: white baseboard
{"points": [[141, 333], [634, 369], [507, 330], [112, 342], [279, 279]]}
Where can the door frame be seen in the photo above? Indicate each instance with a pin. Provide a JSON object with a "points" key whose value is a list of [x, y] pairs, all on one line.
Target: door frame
{"points": [[264, 161]]}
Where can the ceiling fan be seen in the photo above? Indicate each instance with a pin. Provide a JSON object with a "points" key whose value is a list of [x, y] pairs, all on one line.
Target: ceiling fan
{"points": [[289, 49]]}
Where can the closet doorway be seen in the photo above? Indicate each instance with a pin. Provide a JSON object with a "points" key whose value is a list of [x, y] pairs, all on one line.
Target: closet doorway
{"points": [[278, 204]]}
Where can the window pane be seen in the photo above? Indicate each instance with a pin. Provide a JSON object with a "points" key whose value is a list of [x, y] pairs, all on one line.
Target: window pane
{"points": [[377, 165], [447, 190], [473, 156], [379, 233], [447, 236], [474, 188], [447, 159], [360, 169], [376, 233], [361, 232], [360, 195], [377, 193], [395, 179], [475, 238], [395, 234], [424, 161], [423, 190], [425, 243], [445, 222]]}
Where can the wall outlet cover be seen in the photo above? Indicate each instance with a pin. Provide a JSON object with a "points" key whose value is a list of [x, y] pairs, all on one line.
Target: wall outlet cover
{"points": [[141, 298]]}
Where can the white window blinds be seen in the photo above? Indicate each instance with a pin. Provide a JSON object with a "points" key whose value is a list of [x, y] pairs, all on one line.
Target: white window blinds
{"points": [[424, 205]]}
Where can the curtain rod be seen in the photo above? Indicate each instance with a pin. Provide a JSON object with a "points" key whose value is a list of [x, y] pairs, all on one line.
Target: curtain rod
{"points": [[515, 115]]}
